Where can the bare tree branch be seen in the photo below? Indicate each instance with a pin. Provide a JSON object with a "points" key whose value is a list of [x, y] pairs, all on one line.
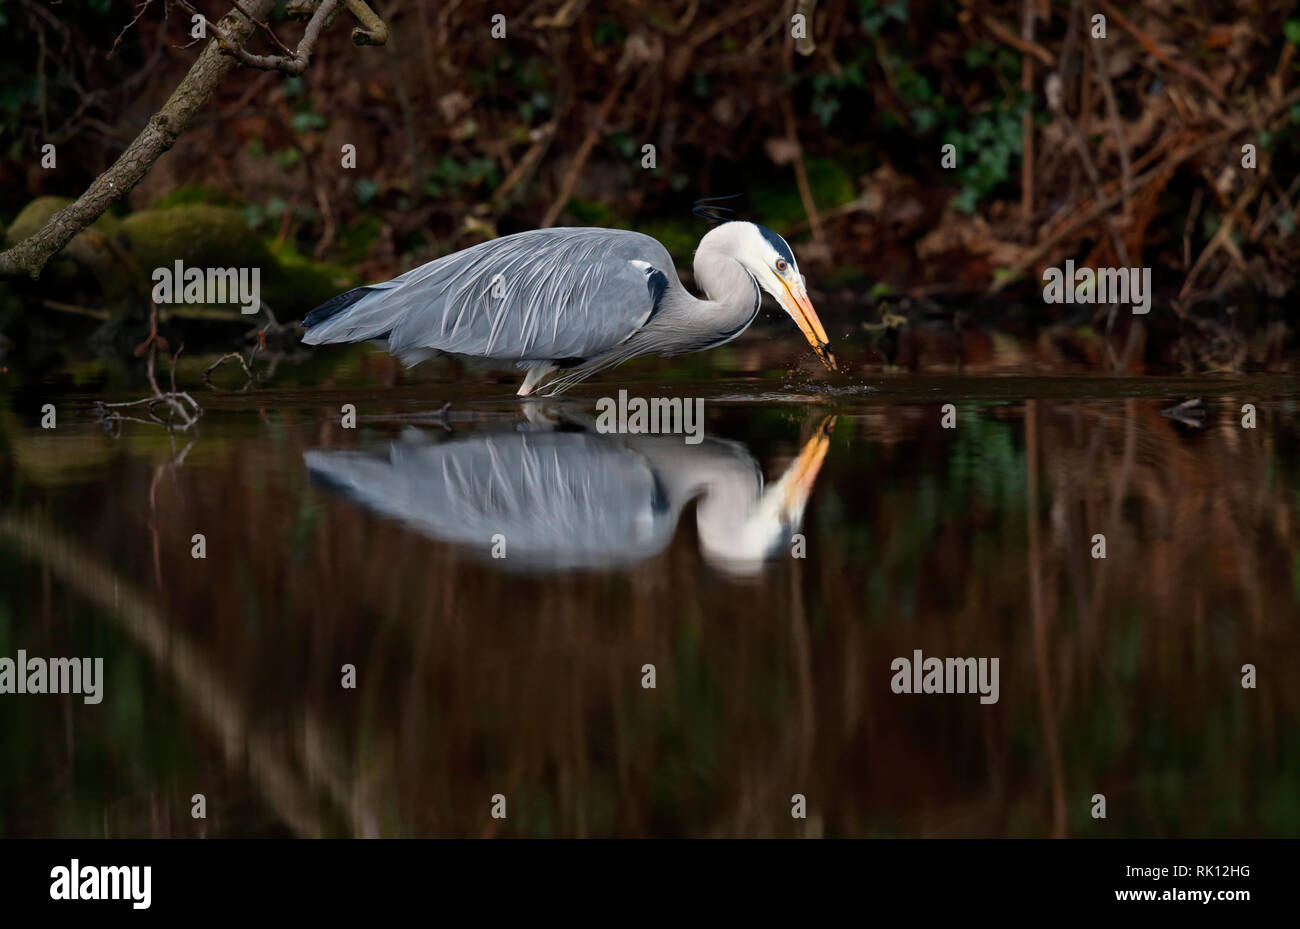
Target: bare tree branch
{"points": [[293, 64], [144, 6], [159, 134], [373, 30], [221, 56]]}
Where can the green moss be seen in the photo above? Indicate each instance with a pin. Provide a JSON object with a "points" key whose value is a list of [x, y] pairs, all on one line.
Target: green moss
{"points": [[191, 196], [33, 216], [198, 235], [206, 236], [92, 259]]}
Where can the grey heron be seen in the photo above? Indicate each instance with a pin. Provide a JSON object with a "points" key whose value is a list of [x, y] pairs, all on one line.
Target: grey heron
{"points": [[566, 500], [574, 301]]}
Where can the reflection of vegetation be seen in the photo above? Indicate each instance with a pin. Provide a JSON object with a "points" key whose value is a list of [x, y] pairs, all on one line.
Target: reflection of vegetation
{"points": [[984, 471], [985, 463], [688, 740]]}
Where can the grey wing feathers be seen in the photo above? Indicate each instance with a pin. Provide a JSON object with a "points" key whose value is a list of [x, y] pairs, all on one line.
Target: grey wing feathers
{"points": [[540, 295], [559, 498]]}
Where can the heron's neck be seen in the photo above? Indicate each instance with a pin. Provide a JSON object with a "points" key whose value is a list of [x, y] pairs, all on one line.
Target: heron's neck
{"points": [[728, 287]]}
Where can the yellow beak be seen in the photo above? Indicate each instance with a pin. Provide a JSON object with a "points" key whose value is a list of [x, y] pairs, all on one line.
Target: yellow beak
{"points": [[802, 474], [796, 303]]}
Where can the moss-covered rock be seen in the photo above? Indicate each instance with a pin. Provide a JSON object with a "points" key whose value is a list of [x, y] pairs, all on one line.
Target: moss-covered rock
{"points": [[206, 236], [198, 196], [92, 258], [199, 235], [33, 216], [118, 257]]}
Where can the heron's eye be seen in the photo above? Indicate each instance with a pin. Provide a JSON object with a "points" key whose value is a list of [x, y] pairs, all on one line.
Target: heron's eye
{"points": [[781, 265]]}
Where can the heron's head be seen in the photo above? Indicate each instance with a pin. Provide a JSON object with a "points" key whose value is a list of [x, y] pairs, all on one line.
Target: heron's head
{"points": [[768, 258]]}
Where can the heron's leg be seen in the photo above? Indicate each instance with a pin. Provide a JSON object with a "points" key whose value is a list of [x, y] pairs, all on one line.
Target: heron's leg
{"points": [[538, 371], [539, 413], [579, 373]]}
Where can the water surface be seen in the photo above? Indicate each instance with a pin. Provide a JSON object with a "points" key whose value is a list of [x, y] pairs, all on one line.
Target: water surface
{"points": [[522, 676]]}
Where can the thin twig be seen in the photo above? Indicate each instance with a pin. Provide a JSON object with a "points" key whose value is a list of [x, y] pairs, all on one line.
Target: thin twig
{"points": [[243, 363], [1027, 118], [1149, 44], [1021, 43], [293, 64], [264, 26], [801, 174], [125, 29], [1121, 143], [1099, 208]]}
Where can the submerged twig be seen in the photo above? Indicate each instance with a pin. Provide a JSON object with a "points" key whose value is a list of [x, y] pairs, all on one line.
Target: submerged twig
{"points": [[185, 407], [244, 363]]}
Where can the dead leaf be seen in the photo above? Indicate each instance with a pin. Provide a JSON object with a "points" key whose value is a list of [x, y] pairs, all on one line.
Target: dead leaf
{"points": [[781, 151]]}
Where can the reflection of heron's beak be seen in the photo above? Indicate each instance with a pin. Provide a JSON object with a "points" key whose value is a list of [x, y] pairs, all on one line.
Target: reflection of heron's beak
{"points": [[740, 546], [800, 477], [795, 302]]}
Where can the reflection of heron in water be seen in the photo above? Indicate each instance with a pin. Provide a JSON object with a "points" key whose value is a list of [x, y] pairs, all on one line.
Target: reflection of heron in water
{"points": [[582, 499]]}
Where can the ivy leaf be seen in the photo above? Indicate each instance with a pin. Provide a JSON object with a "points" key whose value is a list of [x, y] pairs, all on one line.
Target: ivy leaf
{"points": [[366, 190]]}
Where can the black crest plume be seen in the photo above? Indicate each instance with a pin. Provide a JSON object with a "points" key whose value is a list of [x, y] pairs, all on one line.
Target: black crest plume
{"points": [[709, 208]]}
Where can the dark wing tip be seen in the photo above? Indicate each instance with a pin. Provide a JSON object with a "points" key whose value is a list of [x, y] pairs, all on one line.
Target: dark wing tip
{"points": [[334, 307]]}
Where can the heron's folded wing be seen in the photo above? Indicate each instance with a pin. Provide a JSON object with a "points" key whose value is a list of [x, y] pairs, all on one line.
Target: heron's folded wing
{"points": [[544, 295]]}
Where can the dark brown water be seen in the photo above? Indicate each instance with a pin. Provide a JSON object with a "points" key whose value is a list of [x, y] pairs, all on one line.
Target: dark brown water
{"points": [[523, 675]]}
